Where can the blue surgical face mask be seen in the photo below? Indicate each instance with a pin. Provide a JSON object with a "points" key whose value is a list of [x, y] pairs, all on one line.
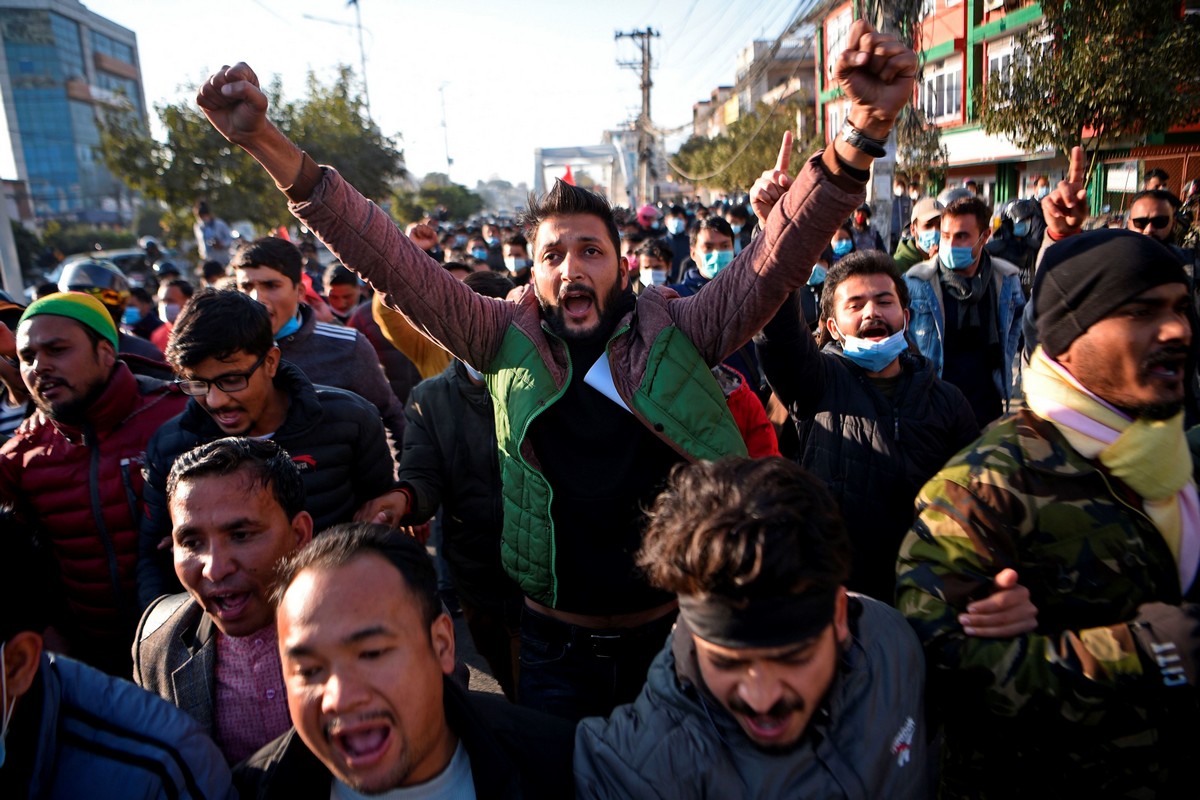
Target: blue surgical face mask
{"points": [[1041, 192], [842, 247], [957, 258], [714, 262], [460, 240], [736, 228], [676, 226], [818, 275], [652, 277], [492, 241], [1021, 228], [514, 264], [480, 253], [927, 240], [871, 355], [131, 316]]}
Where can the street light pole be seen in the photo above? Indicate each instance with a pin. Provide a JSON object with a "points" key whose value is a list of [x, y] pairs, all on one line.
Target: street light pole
{"points": [[362, 53]]}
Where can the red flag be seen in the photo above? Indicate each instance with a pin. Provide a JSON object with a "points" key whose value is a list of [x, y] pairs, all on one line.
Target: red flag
{"points": [[568, 178], [282, 233]]}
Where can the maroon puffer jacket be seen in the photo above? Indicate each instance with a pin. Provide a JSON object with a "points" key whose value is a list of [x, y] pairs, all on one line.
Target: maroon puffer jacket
{"points": [[82, 488]]}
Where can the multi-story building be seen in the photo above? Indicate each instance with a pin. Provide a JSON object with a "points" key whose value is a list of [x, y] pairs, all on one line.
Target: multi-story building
{"points": [[61, 68], [962, 43]]}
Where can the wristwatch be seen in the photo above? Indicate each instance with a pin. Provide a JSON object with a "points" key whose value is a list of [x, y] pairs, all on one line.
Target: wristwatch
{"points": [[860, 141]]}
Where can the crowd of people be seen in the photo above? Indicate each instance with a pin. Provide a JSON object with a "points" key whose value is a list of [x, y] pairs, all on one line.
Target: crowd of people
{"points": [[734, 502]]}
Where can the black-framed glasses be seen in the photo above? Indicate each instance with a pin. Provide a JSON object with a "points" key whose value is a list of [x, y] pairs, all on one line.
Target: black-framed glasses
{"points": [[1159, 222], [229, 382]]}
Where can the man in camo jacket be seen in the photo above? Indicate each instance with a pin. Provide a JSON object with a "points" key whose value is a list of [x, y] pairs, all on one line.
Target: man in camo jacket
{"points": [[1089, 493]]}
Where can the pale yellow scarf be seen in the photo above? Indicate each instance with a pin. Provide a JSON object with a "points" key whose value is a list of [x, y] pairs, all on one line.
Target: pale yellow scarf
{"points": [[1149, 456]]}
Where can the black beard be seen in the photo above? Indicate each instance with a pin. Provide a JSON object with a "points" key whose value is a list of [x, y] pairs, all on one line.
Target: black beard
{"points": [[75, 412], [1156, 411], [608, 312]]}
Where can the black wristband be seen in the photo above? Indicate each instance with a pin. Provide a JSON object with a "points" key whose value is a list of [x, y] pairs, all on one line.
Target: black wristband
{"points": [[860, 141]]}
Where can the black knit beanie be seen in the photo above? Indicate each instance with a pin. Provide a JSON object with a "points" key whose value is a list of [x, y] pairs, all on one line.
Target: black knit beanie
{"points": [[1082, 279]]}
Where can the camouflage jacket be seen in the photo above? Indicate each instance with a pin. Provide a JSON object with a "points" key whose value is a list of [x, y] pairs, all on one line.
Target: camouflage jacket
{"points": [[1069, 703]]}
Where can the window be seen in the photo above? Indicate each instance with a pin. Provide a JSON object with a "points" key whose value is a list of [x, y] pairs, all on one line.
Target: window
{"points": [[837, 36], [836, 115], [941, 94]]}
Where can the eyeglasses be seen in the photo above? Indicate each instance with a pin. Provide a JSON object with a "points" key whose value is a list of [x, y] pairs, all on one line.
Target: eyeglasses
{"points": [[1159, 222], [229, 382]]}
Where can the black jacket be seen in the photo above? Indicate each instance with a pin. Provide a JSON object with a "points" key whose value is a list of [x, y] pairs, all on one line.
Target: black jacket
{"points": [[874, 453], [515, 753], [334, 437], [450, 459]]}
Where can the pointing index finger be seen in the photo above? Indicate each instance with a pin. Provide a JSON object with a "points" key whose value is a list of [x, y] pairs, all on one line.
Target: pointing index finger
{"points": [[785, 153], [1078, 165]]}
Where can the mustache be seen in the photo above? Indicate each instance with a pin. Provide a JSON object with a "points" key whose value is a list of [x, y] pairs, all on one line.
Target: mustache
{"points": [[779, 710], [1169, 355], [576, 291], [874, 323], [336, 725]]}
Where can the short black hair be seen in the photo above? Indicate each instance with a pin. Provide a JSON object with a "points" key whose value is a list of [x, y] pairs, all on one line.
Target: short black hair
{"points": [[217, 323], [338, 275], [742, 528], [563, 200], [183, 285], [739, 211], [715, 223], [213, 269], [341, 544], [656, 248], [271, 251], [489, 283], [1161, 195], [970, 207], [140, 294], [516, 239], [265, 462], [860, 262], [1161, 174]]}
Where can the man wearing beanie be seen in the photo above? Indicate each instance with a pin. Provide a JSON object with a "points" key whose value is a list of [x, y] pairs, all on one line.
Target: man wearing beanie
{"points": [[1089, 492], [73, 470]]}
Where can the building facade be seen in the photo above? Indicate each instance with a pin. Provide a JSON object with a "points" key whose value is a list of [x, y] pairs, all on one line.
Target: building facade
{"points": [[961, 44], [62, 68]]}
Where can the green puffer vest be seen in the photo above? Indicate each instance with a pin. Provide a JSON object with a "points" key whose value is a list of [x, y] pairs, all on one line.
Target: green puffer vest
{"points": [[678, 399]]}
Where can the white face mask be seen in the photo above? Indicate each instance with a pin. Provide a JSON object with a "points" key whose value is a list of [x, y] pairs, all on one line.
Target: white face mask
{"points": [[7, 711], [652, 277]]}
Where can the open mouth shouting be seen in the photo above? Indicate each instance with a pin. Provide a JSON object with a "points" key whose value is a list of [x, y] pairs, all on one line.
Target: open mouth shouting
{"points": [[577, 303], [362, 743], [875, 329], [1166, 365], [52, 388], [230, 420], [227, 605]]}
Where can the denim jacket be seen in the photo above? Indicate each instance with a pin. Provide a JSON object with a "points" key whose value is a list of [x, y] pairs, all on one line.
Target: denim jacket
{"points": [[927, 328]]}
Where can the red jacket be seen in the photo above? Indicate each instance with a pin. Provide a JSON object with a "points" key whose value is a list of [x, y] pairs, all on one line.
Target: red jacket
{"points": [[82, 489]]}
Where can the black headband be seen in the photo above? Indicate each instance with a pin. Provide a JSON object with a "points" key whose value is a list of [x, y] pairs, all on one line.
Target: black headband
{"points": [[758, 622]]}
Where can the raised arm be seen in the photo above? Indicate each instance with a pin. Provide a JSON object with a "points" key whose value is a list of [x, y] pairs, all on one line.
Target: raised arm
{"points": [[876, 73], [355, 230]]}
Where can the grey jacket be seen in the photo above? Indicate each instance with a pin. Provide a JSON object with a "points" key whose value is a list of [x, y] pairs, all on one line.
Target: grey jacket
{"points": [[675, 741], [175, 655]]}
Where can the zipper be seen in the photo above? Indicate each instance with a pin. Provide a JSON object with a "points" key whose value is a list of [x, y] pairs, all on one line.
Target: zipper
{"points": [[90, 440]]}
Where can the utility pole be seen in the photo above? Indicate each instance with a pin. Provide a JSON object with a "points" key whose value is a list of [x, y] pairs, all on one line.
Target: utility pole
{"points": [[645, 147], [445, 130], [362, 53]]}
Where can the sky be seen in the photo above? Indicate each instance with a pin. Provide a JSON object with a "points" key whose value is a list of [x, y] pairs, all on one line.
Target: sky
{"points": [[515, 74]]}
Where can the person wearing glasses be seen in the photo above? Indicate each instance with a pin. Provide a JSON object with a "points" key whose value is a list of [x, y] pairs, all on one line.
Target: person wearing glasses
{"points": [[73, 470], [224, 352]]}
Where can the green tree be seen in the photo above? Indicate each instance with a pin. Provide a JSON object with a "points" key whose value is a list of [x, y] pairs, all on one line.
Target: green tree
{"points": [[732, 161], [195, 161], [1095, 72], [436, 192]]}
